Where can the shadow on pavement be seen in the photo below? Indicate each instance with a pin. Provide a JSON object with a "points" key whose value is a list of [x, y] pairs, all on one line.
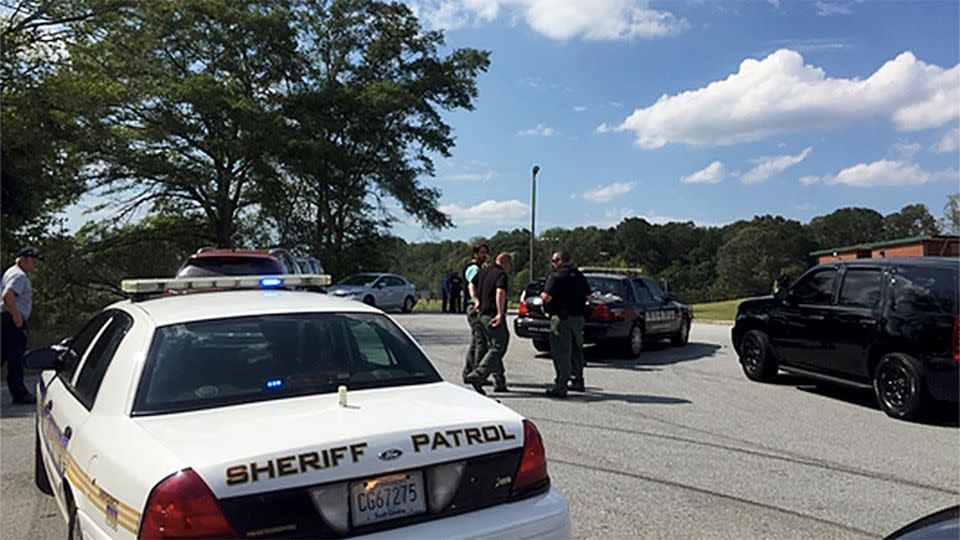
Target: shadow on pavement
{"points": [[943, 414], [16, 411], [526, 390], [657, 354]]}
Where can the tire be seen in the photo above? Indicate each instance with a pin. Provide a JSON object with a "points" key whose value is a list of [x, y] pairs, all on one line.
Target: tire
{"points": [[368, 300], [542, 345], [898, 387], [408, 304], [756, 358], [73, 524], [683, 336], [635, 340], [39, 471]]}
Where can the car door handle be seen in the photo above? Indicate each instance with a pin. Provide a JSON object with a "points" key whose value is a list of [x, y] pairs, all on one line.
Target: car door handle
{"points": [[67, 432], [868, 323], [816, 317], [49, 406]]}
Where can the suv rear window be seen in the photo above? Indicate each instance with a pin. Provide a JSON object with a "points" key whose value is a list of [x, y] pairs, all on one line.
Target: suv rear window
{"points": [[230, 266], [206, 364], [928, 290]]}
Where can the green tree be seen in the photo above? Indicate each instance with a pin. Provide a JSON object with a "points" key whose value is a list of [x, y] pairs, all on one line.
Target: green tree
{"points": [[847, 226], [911, 220], [367, 116], [757, 252], [193, 91], [950, 224]]}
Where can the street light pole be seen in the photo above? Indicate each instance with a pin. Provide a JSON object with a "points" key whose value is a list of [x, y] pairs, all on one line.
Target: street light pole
{"points": [[533, 213]]}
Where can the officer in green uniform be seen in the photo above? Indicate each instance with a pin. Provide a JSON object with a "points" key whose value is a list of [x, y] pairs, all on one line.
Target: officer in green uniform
{"points": [[492, 291], [564, 299]]}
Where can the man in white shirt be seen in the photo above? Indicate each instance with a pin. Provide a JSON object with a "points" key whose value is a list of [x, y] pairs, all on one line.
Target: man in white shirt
{"points": [[14, 313]]}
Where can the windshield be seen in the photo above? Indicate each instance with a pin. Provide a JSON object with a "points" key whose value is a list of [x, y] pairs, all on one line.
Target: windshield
{"points": [[230, 266], [208, 364], [359, 280]]}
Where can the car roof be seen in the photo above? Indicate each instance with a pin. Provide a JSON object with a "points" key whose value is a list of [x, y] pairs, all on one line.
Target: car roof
{"points": [[608, 275], [175, 309], [250, 253], [900, 261]]}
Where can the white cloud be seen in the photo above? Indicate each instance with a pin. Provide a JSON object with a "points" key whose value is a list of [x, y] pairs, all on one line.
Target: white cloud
{"points": [[559, 19], [826, 9], [766, 167], [469, 176], [774, 3], [579, 108], [887, 173], [488, 212], [539, 131], [950, 141], [906, 149], [609, 192], [616, 104], [781, 94], [713, 173], [809, 180]]}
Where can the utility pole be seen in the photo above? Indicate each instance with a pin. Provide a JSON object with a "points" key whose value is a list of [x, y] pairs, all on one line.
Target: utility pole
{"points": [[533, 214]]}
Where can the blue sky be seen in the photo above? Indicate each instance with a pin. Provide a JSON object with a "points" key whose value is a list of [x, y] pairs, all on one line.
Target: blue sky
{"points": [[655, 109]]}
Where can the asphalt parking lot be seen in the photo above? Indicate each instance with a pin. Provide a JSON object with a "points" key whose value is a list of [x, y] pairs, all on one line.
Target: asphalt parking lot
{"points": [[674, 444]]}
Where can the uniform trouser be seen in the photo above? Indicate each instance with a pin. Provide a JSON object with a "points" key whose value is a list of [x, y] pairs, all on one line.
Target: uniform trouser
{"points": [[455, 298], [478, 341], [498, 337], [446, 301], [13, 344], [566, 347]]}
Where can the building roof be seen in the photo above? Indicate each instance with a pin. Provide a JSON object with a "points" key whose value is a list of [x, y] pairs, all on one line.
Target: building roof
{"points": [[885, 243]]}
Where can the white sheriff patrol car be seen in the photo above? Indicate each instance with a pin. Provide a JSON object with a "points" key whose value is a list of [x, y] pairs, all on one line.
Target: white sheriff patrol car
{"points": [[275, 414]]}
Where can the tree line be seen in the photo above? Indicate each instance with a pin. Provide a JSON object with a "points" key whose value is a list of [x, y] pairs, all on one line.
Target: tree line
{"points": [[297, 123]]}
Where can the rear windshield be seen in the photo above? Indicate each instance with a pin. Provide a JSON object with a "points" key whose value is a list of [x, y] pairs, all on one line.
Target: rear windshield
{"points": [[928, 290], [606, 286], [359, 279], [208, 364], [230, 266]]}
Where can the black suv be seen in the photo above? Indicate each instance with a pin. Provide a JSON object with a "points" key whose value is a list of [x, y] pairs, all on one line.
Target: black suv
{"points": [[888, 324], [625, 308]]}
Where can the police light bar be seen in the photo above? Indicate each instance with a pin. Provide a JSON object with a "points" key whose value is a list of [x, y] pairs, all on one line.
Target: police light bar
{"points": [[147, 286]]}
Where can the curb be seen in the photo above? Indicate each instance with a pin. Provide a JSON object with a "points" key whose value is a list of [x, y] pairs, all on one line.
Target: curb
{"points": [[713, 321]]}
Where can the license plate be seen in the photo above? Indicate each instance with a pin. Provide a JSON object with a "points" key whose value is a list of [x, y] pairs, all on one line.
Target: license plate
{"points": [[387, 497], [539, 330]]}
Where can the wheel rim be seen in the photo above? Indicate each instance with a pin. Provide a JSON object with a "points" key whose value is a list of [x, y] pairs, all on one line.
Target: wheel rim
{"points": [[685, 332], [896, 386], [407, 305], [752, 354], [636, 340]]}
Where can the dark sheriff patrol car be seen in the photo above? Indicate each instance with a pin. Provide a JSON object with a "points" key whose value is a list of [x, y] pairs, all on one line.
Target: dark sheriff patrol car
{"points": [[888, 324], [625, 308]]}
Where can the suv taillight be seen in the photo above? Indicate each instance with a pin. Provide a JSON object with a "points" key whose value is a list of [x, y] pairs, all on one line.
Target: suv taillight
{"points": [[533, 464], [523, 310], [182, 506], [601, 313], [956, 338]]}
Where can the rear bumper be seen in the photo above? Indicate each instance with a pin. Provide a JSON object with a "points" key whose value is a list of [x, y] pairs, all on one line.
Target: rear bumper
{"points": [[544, 516], [943, 381], [593, 332]]}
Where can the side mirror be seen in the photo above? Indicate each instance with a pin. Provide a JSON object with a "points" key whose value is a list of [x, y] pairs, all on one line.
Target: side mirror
{"points": [[48, 357], [782, 294]]}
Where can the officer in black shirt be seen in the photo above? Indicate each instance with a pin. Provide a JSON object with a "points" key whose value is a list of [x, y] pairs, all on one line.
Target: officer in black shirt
{"points": [[564, 299], [492, 292]]}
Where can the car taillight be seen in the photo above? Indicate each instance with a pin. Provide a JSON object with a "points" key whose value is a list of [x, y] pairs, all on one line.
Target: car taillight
{"points": [[956, 338], [182, 506], [533, 464], [601, 313], [523, 310]]}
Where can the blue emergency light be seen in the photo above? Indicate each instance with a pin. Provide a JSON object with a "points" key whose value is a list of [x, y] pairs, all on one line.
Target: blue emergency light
{"points": [[274, 383], [270, 282]]}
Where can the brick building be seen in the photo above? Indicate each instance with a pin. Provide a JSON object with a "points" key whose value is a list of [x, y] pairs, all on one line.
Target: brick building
{"points": [[916, 246]]}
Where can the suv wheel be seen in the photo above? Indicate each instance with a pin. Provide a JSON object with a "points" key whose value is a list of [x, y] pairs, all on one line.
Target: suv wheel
{"points": [[898, 385], [39, 471], [408, 304], [636, 340], [542, 345], [368, 300], [683, 336], [755, 357]]}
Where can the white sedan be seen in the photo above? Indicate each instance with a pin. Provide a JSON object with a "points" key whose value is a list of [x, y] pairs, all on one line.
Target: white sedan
{"points": [[276, 414]]}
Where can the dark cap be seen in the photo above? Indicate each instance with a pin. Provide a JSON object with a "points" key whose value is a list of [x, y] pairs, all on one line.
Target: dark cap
{"points": [[30, 251]]}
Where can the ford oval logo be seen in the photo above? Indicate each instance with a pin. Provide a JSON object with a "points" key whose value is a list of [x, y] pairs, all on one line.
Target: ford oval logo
{"points": [[388, 455]]}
